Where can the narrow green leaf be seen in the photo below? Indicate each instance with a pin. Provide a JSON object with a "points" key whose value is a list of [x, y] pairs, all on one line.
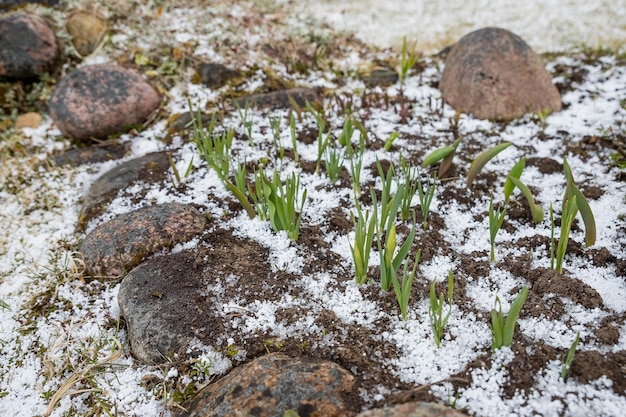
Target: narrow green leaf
{"points": [[447, 161], [515, 172], [535, 209], [497, 325], [587, 215], [404, 249], [511, 318], [242, 199], [437, 155], [582, 204], [481, 160]]}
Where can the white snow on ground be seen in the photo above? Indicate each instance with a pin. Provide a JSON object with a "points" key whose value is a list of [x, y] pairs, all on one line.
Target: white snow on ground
{"points": [[36, 228], [552, 25]]}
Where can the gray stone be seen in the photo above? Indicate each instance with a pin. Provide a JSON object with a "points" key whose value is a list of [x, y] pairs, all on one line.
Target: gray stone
{"points": [[413, 410], [150, 168], [273, 384], [166, 301], [214, 75], [28, 46], [493, 74], [279, 99], [122, 243], [99, 100]]}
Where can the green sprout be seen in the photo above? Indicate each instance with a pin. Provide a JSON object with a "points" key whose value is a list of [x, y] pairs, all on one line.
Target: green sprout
{"points": [[386, 197], [535, 209], [496, 217], [444, 154], [515, 172], [364, 225], [322, 139], [279, 148], [567, 363], [239, 189], [356, 164], [409, 179], [214, 148], [333, 162], [408, 59], [389, 142], [581, 203], [502, 328], [294, 142], [247, 120], [481, 160], [426, 197], [390, 263], [403, 289], [281, 205], [435, 312], [567, 218], [412, 181]]}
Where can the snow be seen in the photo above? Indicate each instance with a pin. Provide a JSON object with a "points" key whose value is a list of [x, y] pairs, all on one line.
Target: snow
{"points": [[37, 226]]}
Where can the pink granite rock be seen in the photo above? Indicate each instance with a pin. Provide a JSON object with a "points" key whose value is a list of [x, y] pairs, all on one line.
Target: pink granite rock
{"points": [[99, 100], [493, 74], [28, 46]]}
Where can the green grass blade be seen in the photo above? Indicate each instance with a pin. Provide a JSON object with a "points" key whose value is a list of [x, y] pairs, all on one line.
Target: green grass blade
{"points": [[515, 172], [243, 200], [481, 160], [497, 325], [437, 155], [587, 215], [535, 209], [511, 318]]}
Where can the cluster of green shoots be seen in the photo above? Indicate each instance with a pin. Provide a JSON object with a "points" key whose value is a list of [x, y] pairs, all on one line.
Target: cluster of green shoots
{"points": [[270, 199], [574, 201], [397, 269]]}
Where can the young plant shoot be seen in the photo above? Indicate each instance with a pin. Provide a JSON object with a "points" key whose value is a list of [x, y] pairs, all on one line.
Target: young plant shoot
{"points": [[502, 328], [445, 155], [435, 312], [403, 289], [365, 229], [496, 217], [567, 363], [567, 218]]}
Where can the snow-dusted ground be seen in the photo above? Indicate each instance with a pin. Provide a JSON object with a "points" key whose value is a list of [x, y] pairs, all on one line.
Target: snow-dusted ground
{"points": [[41, 345], [546, 25]]}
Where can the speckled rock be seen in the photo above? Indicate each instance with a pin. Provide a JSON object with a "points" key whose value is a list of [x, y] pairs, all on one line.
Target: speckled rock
{"points": [[493, 74], [150, 168], [99, 100], [87, 31], [279, 99], [273, 384], [120, 244], [28, 46], [413, 410]]}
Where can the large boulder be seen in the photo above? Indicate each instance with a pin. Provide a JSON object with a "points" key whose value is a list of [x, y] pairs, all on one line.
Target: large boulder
{"points": [[28, 46], [493, 74], [272, 385], [99, 100]]}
